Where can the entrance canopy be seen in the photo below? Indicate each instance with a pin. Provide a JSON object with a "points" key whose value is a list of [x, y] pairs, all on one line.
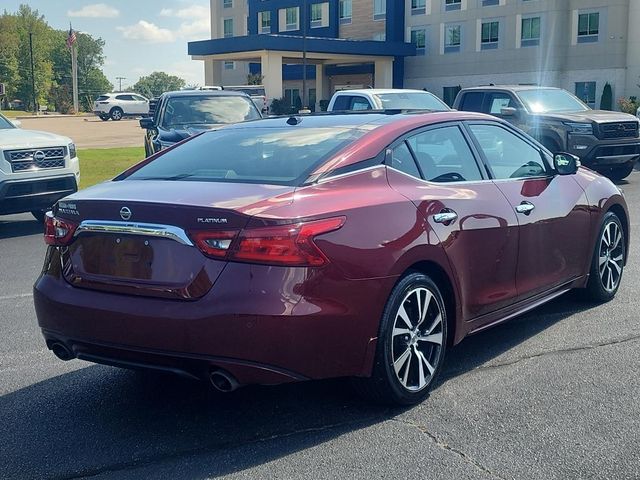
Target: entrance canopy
{"points": [[273, 51]]}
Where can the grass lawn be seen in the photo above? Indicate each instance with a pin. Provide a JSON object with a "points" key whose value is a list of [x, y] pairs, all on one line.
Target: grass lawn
{"points": [[14, 113], [99, 164]]}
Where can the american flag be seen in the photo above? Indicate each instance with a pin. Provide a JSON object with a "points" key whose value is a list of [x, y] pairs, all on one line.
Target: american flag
{"points": [[71, 38]]}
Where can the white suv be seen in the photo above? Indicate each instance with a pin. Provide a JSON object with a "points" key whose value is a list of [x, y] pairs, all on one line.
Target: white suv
{"points": [[36, 169], [114, 106]]}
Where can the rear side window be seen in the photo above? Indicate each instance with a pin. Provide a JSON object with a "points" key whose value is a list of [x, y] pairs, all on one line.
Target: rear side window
{"points": [[444, 155], [472, 102], [401, 159], [343, 102], [102, 98], [124, 97], [360, 103], [280, 156]]}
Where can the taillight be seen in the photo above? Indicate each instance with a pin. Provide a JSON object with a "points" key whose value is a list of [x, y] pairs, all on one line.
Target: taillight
{"points": [[58, 231], [290, 244]]}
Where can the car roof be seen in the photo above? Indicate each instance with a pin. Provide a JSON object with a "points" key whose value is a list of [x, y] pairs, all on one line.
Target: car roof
{"points": [[510, 87], [205, 93], [378, 91]]}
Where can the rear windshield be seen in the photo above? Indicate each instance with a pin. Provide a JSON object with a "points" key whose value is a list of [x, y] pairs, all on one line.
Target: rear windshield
{"points": [[279, 156], [412, 101], [549, 101], [207, 110]]}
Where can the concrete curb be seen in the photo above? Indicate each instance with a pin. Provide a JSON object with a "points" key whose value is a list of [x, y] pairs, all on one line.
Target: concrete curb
{"points": [[55, 115]]}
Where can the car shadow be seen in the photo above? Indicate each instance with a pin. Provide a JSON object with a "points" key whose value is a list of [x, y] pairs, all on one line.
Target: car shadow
{"points": [[99, 419], [19, 226]]}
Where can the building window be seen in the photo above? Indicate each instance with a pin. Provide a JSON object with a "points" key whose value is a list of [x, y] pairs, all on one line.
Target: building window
{"points": [[292, 96], [418, 7], [452, 4], [449, 94], [490, 3], [530, 35], [316, 15], [586, 91], [489, 35], [418, 37], [227, 27], [379, 9], [452, 38], [380, 36], [291, 18], [588, 27], [345, 12], [229, 65], [264, 22], [227, 3]]}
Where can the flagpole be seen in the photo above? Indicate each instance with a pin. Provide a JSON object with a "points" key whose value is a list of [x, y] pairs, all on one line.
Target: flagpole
{"points": [[74, 73]]}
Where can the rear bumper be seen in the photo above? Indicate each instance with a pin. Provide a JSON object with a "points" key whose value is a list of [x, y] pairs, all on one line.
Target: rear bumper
{"points": [[264, 325], [25, 195]]}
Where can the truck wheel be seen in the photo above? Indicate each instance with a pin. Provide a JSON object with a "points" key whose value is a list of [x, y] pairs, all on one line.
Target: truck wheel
{"points": [[618, 173], [116, 114]]}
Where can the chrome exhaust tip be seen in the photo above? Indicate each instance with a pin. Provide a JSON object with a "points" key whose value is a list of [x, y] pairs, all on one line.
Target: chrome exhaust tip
{"points": [[223, 381]]}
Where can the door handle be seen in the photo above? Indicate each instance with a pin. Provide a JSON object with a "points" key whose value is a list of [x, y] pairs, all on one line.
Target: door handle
{"points": [[445, 216], [525, 207]]}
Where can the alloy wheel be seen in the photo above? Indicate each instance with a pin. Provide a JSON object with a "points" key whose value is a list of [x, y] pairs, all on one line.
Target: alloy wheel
{"points": [[417, 336], [611, 256]]}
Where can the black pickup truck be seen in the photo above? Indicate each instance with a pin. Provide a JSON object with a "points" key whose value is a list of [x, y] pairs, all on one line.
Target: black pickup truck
{"points": [[605, 141]]}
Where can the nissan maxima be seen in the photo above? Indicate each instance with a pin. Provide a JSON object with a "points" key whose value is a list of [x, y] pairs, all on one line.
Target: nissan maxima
{"points": [[290, 249]]}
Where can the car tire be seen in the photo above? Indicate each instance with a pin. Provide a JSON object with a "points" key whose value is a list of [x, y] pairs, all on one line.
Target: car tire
{"points": [[105, 117], [607, 264], [407, 360], [39, 215], [116, 114], [619, 173]]}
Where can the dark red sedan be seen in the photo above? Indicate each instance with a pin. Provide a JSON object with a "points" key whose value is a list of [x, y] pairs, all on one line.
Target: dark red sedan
{"points": [[356, 245]]}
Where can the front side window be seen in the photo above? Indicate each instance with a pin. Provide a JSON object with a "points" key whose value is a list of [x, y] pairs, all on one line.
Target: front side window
{"points": [[228, 27], [588, 27], [452, 38], [530, 35], [508, 155], [489, 35], [345, 11], [498, 101], [452, 4], [418, 37], [444, 155], [265, 21], [379, 9], [418, 7], [207, 110], [279, 156]]}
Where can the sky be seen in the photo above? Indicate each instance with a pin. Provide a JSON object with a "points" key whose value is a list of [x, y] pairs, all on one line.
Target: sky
{"points": [[141, 36]]}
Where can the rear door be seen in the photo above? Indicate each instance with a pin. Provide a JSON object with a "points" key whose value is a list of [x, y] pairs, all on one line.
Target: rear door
{"points": [[436, 169], [552, 210]]}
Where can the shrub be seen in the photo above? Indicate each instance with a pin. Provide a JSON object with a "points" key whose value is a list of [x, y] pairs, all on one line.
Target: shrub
{"points": [[606, 101], [628, 105]]}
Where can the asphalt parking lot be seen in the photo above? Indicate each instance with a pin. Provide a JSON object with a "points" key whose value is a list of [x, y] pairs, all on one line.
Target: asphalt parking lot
{"points": [[90, 131], [553, 394]]}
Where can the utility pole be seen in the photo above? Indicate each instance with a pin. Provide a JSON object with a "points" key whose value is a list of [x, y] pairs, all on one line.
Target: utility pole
{"points": [[304, 56], [120, 82], [33, 78]]}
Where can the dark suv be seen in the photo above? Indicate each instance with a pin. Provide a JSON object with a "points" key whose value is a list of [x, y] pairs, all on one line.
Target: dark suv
{"points": [[178, 115], [604, 141]]}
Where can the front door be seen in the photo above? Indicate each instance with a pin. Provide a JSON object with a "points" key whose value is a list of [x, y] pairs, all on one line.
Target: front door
{"points": [[436, 169], [552, 210]]}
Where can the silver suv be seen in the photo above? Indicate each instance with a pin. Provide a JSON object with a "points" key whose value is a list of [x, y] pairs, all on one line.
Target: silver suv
{"points": [[114, 106]]}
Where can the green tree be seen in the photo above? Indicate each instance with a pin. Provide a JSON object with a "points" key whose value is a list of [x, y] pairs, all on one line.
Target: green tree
{"points": [[157, 83], [9, 74]]}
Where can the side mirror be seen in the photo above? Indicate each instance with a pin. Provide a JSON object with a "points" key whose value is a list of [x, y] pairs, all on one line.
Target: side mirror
{"points": [[16, 123], [565, 163], [146, 122], [509, 111]]}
